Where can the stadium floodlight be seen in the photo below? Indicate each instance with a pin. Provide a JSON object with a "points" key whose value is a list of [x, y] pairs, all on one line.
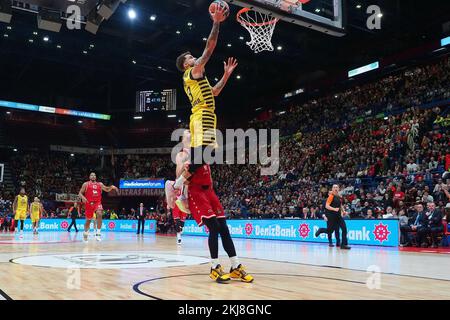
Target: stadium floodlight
{"points": [[49, 20], [5, 11]]}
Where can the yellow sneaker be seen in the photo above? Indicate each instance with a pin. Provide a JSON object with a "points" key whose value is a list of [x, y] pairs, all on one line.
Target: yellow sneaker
{"points": [[181, 205], [240, 273], [218, 275]]}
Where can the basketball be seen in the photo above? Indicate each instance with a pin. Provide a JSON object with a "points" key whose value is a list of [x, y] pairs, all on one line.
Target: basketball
{"points": [[219, 3]]}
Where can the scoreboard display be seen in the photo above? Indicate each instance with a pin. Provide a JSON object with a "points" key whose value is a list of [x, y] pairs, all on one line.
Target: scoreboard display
{"points": [[148, 101], [2, 169]]}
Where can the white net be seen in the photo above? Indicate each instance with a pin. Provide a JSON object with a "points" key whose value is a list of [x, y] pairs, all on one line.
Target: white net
{"points": [[260, 26]]}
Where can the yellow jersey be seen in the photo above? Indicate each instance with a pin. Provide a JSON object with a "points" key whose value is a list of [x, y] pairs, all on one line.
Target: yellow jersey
{"points": [[203, 119], [22, 204], [35, 210]]}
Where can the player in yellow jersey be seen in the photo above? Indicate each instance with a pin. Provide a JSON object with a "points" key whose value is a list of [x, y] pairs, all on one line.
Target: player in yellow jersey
{"points": [[20, 208], [36, 210], [202, 127], [202, 95]]}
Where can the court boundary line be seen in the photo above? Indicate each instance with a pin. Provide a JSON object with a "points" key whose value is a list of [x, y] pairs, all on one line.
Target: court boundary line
{"points": [[139, 291], [4, 295]]}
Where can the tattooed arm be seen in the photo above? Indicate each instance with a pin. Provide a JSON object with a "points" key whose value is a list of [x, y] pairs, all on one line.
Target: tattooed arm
{"points": [[228, 71], [199, 68]]}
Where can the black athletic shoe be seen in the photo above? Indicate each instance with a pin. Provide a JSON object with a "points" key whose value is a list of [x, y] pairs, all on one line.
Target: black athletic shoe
{"points": [[345, 247], [317, 233], [331, 245]]}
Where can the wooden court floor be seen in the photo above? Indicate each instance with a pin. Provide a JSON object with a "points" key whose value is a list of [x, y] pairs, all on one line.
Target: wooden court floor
{"points": [[123, 266]]}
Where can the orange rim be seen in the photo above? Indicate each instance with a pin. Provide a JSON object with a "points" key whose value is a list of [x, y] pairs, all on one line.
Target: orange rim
{"points": [[261, 24]]}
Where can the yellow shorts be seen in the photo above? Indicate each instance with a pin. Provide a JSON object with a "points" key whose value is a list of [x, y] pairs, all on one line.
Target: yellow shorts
{"points": [[203, 129], [20, 215], [35, 218]]}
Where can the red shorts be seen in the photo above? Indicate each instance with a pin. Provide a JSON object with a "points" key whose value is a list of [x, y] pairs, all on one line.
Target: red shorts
{"points": [[178, 214], [204, 204], [91, 208]]}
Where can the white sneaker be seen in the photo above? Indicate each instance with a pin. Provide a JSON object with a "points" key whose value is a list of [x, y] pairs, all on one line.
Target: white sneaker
{"points": [[21, 234], [98, 237], [179, 242], [85, 236]]}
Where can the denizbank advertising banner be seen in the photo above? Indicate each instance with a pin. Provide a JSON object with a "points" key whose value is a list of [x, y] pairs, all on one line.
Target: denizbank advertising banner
{"points": [[141, 184], [362, 232], [108, 225]]}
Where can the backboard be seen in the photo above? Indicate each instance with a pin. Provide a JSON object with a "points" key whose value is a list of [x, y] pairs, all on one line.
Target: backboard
{"points": [[325, 16]]}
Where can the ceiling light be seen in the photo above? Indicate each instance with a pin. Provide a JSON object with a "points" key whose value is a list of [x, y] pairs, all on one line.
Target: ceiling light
{"points": [[132, 14]]}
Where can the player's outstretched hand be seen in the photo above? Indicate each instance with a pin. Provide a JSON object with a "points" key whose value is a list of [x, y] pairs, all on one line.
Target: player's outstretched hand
{"points": [[230, 65], [219, 15]]}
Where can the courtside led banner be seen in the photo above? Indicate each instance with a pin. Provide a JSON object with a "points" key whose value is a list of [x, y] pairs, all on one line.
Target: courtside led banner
{"points": [[364, 69], [445, 41], [67, 112], [108, 225], [362, 232], [141, 184]]}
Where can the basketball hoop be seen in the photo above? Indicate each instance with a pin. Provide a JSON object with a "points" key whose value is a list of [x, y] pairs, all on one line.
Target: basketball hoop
{"points": [[260, 26]]}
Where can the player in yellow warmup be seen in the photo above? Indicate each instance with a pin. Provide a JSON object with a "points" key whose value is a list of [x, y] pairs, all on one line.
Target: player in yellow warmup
{"points": [[36, 210], [20, 208]]}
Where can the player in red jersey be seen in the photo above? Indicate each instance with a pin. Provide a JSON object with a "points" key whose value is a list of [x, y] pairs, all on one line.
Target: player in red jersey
{"points": [[91, 195], [177, 198], [179, 216], [206, 209]]}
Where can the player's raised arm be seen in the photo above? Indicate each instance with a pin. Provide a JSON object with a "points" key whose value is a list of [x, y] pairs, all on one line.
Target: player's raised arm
{"points": [[229, 67], [82, 192], [109, 189], [199, 68]]}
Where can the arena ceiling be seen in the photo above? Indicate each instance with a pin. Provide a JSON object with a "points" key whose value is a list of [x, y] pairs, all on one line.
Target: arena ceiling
{"points": [[101, 73]]}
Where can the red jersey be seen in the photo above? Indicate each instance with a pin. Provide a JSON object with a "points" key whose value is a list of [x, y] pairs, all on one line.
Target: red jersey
{"points": [[202, 177], [93, 192]]}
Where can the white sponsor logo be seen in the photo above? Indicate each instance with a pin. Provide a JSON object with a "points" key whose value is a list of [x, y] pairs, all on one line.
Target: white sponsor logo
{"points": [[360, 235], [275, 231], [110, 260], [193, 229]]}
